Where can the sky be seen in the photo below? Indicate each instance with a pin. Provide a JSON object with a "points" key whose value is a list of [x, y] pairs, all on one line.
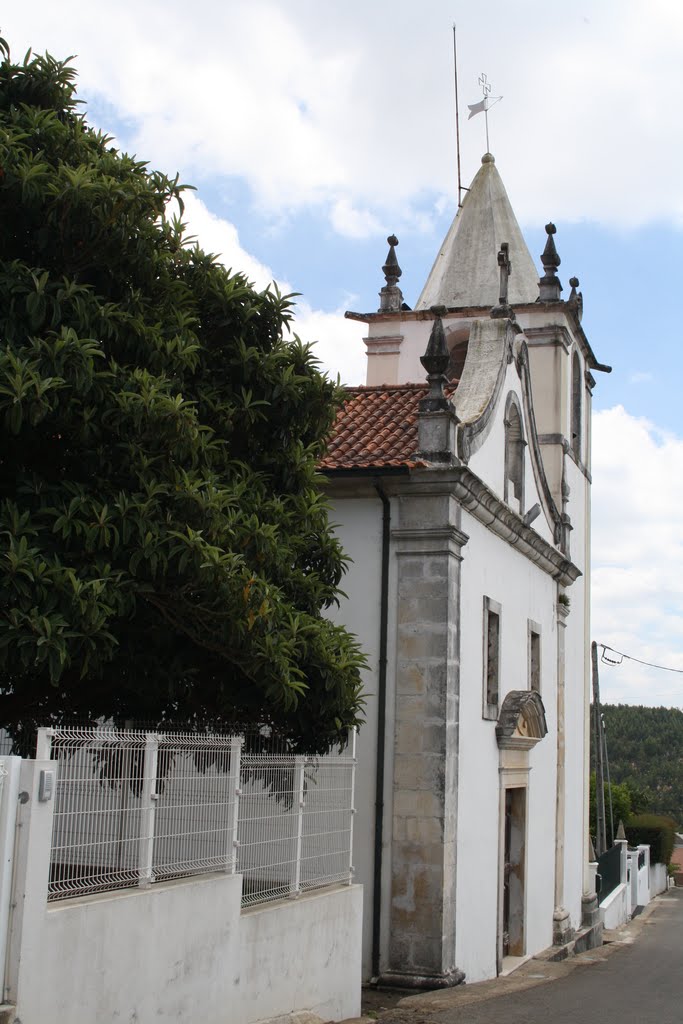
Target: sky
{"points": [[314, 130]]}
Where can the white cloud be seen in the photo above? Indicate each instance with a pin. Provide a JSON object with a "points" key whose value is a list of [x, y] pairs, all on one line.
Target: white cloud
{"points": [[637, 592], [338, 342], [353, 223], [641, 378], [351, 105], [217, 235]]}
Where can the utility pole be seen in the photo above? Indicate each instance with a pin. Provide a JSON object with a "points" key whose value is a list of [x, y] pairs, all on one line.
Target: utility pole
{"points": [[601, 837], [609, 781]]}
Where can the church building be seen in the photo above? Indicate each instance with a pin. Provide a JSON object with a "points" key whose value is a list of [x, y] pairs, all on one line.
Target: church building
{"points": [[460, 482]]}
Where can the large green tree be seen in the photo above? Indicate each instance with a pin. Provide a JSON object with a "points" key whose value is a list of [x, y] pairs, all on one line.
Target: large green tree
{"points": [[164, 542]]}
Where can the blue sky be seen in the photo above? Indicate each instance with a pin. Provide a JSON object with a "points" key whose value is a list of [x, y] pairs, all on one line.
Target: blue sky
{"points": [[312, 131]]}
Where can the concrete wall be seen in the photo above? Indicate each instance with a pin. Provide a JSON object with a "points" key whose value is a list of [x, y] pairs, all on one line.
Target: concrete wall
{"points": [[615, 910], [659, 879], [178, 950], [304, 954]]}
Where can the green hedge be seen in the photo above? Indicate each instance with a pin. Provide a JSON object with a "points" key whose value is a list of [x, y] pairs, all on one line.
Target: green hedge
{"points": [[654, 830]]}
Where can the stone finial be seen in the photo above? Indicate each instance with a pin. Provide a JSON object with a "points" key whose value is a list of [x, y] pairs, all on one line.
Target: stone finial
{"points": [[621, 831], [391, 297], [435, 361], [549, 284], [437, 420], [576, 298], [503, 309], [391, 269]]}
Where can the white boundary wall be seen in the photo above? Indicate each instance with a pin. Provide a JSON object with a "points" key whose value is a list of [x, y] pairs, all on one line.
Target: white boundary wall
{"points": [[659, 879], [179, 950], [615, 910]]}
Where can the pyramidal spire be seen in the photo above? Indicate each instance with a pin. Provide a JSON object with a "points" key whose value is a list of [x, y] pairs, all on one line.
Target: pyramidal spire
{"points": [[465, 271]]}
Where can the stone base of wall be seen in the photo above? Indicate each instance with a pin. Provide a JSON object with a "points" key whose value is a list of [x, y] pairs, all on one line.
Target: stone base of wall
{"points": [[396, 979]]}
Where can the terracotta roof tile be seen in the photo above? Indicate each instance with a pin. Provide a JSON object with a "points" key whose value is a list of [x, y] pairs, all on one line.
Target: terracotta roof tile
{"points": [[376, 428]]}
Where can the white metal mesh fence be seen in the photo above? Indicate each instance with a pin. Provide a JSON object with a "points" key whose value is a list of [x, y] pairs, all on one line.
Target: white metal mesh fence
{"points": [[295, 824], [134, 807]]}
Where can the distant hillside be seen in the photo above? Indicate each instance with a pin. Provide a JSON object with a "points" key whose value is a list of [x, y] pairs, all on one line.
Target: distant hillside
{"points": [[645, 747]]}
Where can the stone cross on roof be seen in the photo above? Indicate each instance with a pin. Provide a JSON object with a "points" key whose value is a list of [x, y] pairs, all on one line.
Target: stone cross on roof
{"points": [[504, 262], [505, 270]]}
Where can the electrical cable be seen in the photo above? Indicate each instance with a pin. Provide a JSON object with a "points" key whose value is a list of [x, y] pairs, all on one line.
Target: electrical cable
{"points": [[620, 654]]}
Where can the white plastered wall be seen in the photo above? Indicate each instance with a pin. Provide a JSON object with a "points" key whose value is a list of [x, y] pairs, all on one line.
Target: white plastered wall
{"points": [[358, 525], [491, 568]]}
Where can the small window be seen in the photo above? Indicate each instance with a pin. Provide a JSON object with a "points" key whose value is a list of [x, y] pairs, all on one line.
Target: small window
{"points": [[513, 492], [534, 656], [576, 406], [491, 681]]}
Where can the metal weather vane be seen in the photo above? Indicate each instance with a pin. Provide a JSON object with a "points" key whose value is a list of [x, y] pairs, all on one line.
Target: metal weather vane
{"points": [[484, 104]]}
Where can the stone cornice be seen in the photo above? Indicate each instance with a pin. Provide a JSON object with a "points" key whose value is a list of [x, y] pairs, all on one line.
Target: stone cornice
{"points": [[480, 501], [386, 345], [552, 308], [554, 335], [475, 497], [430, 540]]}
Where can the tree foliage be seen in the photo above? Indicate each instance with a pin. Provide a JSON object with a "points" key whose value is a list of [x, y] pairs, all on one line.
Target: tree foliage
{"points": [[645, 747], [656, 831], [164, 542], [620, 803]]}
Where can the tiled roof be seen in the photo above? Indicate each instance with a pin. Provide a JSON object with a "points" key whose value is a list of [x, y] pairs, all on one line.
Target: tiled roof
{"points": [[377, 428]]}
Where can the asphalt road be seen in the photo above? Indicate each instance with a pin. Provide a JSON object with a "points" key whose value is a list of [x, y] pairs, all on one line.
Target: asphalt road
{"points": [[638, 980]]}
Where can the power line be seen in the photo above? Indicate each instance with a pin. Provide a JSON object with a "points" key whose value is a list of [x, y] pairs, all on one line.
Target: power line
{"points": [[620, 654]]}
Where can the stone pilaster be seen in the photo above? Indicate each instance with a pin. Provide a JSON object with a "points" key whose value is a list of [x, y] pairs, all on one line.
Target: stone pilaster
{"points": [[563, 931], [428, 545]]}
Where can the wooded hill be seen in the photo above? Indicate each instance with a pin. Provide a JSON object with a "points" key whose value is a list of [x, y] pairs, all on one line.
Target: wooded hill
{"points": [[645, 747]]}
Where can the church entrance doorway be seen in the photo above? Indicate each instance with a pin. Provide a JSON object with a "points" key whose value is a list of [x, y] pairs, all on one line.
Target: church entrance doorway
{"points": [[513, 872]]}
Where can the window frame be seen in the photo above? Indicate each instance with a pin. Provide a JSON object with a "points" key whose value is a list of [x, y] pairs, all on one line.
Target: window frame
{"points": [[534, 631], [490, 709], [515, 454]]}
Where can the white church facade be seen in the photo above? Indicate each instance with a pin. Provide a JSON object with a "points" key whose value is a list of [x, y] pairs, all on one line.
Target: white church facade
{"points": [[463, 500]]}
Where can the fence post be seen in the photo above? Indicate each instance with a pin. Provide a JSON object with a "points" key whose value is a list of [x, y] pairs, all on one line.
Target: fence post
{"points": [[148, 798], [32, 855], [9, 797], [44, 744], [352, 809], [298, 790], [235, 790]]}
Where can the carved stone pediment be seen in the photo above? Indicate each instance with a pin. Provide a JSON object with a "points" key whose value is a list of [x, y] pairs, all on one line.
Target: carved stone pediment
{"points": [[521, 723]]}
